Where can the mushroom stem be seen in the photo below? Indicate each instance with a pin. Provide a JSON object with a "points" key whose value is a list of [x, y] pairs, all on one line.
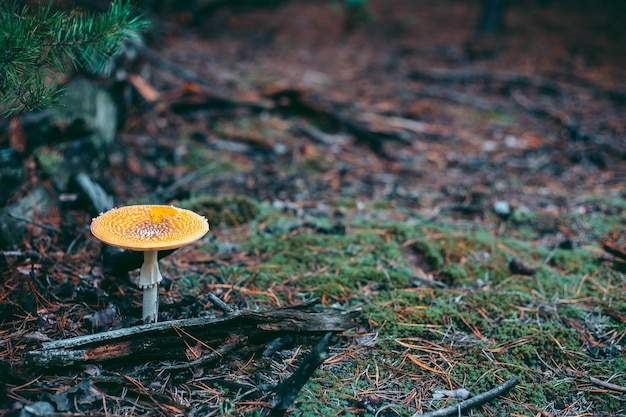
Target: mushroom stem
{"points": [[149, 278], [150, 310]]}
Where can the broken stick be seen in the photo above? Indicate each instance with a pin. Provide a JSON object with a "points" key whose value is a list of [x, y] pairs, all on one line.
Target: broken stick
{"points": [[287, 391], [473, 402]]}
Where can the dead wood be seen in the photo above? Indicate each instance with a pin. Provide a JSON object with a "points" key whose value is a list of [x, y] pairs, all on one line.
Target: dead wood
{"points": [[206, 359], [560, 117], [473, 402], [170, 339], [100, 200], [213, 95], [513, 82], [219, 304], [254, 143], [334, 115], [608, 385], [287, 391]]}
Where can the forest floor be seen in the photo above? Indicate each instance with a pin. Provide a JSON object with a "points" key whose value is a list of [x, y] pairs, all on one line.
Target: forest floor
{"points": [[463, 193]]}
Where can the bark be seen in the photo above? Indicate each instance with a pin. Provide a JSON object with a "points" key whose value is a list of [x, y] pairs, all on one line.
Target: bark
{"points": [[169, 340]]}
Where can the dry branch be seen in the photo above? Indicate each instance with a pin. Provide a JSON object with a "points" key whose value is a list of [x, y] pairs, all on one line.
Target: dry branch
{"points": [[473, 402], [334, 114], [214, 95], [287, 391], [608, 385], [99, 199], [169, 339]]}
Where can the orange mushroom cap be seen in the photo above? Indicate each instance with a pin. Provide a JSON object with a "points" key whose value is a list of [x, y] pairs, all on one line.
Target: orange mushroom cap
{"points": [[149, 227]]}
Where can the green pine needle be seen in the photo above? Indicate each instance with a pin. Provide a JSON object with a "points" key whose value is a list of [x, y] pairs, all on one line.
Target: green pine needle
{"points": [[37, 46]]}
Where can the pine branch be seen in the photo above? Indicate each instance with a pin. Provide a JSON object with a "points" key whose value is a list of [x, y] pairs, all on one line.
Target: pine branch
{"points": [[37, 46]]}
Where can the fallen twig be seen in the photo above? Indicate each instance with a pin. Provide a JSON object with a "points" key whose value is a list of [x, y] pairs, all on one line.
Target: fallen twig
{"points": [[614, 248], [287, 391], [34, 223], [219, 304], [613, 94], [473, 402], [612, 387]]}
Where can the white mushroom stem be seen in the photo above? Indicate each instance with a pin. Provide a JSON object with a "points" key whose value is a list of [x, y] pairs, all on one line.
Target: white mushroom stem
{"points": [[149, 279], [150, 308]]}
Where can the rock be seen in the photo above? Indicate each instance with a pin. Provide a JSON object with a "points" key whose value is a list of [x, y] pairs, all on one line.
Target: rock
{"points": [[37, 409], [14, 229], [502, 209], [98, 198], [71, 137]]}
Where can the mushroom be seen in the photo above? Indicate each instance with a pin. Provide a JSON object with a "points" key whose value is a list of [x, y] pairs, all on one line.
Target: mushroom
{"points": [[149, 228]]}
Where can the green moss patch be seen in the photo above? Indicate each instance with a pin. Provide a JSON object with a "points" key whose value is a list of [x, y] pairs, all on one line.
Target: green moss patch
{"points": [[228, 211], [440, 309]]}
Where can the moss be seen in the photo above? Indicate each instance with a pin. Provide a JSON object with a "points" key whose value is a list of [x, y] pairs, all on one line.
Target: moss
{"points": [[453, 274], [486, 326], [538, 393], [200, 157], [577, 261], [52, 163], [227, 210]]}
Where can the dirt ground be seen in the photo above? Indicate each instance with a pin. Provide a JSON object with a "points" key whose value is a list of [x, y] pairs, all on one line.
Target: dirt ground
{"points": [[532, 115], [408, 106]]}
